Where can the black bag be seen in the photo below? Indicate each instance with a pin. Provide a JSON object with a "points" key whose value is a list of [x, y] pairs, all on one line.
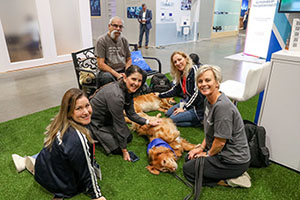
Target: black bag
{"points": [[159, 83], [256, 136]]}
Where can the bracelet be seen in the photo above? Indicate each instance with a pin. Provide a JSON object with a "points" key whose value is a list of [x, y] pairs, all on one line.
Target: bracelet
{"points": [[207, 154], [147, 121]]}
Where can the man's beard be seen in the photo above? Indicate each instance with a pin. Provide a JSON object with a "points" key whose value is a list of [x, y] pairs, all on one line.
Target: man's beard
{"points": [[113, 36]]}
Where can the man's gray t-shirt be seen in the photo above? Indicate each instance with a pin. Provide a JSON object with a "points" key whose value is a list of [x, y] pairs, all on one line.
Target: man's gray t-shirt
{"points": [[223, 120], [115, 53]]}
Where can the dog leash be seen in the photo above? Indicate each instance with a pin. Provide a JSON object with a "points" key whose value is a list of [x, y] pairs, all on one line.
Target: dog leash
{"points": [[186, 183], [196, 189], [199, 164]]}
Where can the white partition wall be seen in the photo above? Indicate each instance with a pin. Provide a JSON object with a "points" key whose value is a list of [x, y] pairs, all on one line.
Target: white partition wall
{"points": [[58, 28], [280, 109]]}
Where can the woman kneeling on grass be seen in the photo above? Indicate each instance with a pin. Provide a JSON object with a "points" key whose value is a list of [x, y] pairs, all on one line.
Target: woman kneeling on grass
{"points": [[108, 122], [65, 164], [225, 144]]}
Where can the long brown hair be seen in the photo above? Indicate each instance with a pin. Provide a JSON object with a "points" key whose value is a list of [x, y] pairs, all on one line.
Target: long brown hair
{"points": [[174, 71], [63, 120]]}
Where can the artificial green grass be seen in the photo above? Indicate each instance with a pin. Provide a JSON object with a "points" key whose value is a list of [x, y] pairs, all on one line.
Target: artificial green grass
{"points": [[123, 180]]}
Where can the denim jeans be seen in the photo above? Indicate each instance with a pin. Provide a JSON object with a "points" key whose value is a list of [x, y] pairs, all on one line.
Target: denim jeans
{"points": [[186, 118]]}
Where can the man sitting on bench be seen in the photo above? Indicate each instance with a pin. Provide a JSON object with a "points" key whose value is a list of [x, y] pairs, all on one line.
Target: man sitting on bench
{"points": [[113, 54]]}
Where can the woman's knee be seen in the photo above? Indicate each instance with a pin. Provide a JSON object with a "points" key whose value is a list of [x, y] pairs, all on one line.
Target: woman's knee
{"points": [[189, 171], [177, 118], [170, 112]]}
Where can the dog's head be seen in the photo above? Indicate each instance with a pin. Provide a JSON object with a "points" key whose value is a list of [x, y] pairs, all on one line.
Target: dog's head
{"points": [[161, 159], [167, 103], [86, 77]]}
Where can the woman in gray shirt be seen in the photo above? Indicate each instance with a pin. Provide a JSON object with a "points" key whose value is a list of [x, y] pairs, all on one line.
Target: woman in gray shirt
{"points": [[225, 144]]}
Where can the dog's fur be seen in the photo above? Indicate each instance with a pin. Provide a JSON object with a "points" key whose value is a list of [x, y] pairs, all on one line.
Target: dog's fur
{"points": [[86, 77], [161, 158], [150, 102]]}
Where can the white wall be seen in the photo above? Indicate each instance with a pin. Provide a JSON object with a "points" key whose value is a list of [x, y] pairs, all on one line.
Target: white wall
{"points": [[111, 8]]}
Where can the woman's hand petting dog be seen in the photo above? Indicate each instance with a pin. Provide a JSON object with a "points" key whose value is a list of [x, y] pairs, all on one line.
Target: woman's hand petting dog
{"points": [[155, 122], [156, 94]]}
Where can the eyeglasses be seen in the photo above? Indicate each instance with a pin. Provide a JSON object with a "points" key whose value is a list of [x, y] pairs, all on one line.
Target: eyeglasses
{"points": [[116, 26]]}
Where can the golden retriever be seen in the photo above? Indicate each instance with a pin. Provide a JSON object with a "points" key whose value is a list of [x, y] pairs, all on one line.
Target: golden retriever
{"points": [[161, 158], [150, 102]]}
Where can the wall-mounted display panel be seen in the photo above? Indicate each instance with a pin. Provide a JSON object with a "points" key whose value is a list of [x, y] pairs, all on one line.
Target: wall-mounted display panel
{"points": [[133, 11], [259, 27], [226, 15]]}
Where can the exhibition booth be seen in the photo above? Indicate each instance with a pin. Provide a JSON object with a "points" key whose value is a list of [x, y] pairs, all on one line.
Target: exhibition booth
{"points": [[46, 32]]}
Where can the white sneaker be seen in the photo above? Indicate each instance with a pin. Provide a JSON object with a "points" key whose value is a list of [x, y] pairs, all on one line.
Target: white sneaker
{"points": [[242, 181], [29, 164], [19, 162]]}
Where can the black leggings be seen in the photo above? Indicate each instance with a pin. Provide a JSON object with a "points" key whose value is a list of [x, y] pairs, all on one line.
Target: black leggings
{"points": [[214, 170]]}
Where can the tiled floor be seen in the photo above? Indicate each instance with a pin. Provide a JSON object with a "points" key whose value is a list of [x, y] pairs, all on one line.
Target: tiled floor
{"points": [[31, 90]]}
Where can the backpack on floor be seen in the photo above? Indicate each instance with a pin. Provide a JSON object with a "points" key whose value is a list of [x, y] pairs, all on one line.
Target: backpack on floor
{"points": [[256, 136], [159, 83]]}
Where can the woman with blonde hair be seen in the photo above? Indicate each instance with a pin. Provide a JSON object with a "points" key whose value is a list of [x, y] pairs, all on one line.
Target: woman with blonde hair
{"points": [[65, 165], [189, 112], [225, 146]]}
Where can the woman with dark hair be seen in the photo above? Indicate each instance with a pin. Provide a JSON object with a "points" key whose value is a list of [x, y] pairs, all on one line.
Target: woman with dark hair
{"points": [[65, 165], [108, 122]]}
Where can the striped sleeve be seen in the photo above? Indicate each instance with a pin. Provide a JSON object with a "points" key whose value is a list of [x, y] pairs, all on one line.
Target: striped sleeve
{"points": [[93, 187], [195, 94]]}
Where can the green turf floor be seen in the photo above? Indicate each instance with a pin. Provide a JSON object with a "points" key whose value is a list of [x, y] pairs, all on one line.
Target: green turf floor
{"points": [[131, 181]]}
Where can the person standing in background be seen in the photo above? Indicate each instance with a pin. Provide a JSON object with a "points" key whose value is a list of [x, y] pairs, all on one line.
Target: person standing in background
{"points": [[145, 17], [245, 20]]}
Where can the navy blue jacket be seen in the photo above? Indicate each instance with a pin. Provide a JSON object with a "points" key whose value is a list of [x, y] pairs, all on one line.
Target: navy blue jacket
{"points": [[148, 18], [66, 169], [193, 98]]}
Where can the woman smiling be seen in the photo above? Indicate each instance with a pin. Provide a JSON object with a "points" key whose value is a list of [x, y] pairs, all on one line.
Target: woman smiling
{"points": [[108, 122]]}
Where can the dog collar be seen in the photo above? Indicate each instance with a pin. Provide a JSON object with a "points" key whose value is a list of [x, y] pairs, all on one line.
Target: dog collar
{"points": [[157, 142]]}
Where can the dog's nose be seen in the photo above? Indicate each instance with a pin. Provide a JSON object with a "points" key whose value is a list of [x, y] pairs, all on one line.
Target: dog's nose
{"points": [[88, 80]]}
